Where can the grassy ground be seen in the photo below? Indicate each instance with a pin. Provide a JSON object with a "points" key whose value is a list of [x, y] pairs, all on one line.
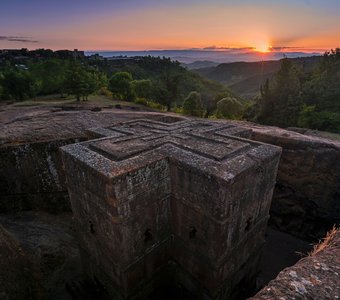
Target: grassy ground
{"points": [[93, 100]]}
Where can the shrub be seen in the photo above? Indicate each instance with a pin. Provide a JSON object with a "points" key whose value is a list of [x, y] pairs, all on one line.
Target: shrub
{"points": [[141, 101], [155, 105], [192, 105], [229, 108], [178, 110], [103, 91], [321, 120]]}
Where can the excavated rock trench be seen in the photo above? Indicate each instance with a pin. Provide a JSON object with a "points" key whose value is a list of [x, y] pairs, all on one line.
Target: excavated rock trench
{"points": [[36, 219]]}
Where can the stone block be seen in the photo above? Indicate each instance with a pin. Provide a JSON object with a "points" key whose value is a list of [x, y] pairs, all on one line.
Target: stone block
{"points": [[196, 193]]}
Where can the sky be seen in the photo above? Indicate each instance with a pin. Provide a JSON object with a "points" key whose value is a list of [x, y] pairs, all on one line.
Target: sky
{"points": [[261, 25]]}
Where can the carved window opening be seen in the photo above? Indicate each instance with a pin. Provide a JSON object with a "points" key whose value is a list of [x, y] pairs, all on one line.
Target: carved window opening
{"points": [[192, 232], [148, 236], [248, 224], [91, 227]]}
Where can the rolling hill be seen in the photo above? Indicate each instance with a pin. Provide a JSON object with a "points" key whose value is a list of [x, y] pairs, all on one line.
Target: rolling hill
{"points": [[245, 78]]}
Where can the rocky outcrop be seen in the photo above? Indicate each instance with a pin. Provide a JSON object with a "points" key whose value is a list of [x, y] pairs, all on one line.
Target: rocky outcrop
{"points": [[306, 200], [41, 124], [313, 277]]}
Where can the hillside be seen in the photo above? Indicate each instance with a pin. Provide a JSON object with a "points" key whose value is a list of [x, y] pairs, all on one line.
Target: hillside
{"points": [[245, 78], [200, 64], [249, 87]]}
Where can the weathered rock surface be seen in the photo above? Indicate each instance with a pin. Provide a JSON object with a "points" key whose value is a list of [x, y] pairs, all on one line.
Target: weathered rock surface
{"points": [[31, 175], [39, 124], [19, 279], [38, 255], [306, 200], [317, 133], [314, 277]]}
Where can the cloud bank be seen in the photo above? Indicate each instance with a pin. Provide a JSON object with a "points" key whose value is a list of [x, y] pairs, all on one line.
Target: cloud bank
{"points": [[21, 39]]}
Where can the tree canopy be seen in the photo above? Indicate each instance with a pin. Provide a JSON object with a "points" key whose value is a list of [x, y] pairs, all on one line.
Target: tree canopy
{"points": [[229, 108], [299, 98], [120, 84], [192, 105]]}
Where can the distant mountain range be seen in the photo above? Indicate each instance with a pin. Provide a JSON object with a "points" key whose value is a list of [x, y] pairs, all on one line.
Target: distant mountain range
{"points": [[245, 78], [188, 56]]}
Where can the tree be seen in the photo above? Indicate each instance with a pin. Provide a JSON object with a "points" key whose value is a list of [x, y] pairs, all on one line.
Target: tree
{"points": [[81, 81], [229, 108], [169, 89], [192, 105], [91, 83], [280, 101], [120, 84], [18, 84], [209, 104], [52, 74], [142, 88]]}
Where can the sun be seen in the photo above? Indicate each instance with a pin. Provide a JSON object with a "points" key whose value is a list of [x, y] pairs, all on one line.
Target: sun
{"points": [[263, 48]]}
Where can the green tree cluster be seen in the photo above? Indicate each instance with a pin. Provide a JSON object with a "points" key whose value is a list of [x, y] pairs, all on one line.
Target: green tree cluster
{"points": [[51, 74], [81, 81], [167, 82], [18, 84], [47, 77], [280, 102], [297, 98], [142, 88], [159, 81]]}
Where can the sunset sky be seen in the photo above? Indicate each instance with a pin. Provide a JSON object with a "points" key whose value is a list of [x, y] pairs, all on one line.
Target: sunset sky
{"points": [[307, 25]]}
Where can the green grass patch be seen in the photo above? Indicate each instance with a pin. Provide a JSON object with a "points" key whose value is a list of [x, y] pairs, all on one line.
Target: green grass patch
{"points": [[93, 100]]}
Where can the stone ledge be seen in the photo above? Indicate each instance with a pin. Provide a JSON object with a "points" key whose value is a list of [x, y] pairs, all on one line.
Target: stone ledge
{"points": [[314, 277]]}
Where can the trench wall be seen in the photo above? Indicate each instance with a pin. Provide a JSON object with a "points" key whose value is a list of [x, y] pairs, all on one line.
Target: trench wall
{"points": [[31, 177], [306, 200]]}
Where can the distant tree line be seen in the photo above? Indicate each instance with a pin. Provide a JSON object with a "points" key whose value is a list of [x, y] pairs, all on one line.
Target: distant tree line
{"points": [[156, 82], [299, 98], [47, 77]]}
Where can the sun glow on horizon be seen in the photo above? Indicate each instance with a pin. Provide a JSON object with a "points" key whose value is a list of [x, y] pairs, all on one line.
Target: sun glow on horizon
{"points": [[263, 48]]}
